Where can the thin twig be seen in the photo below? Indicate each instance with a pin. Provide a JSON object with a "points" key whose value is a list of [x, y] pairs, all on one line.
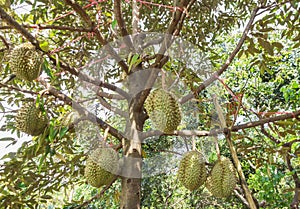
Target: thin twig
{"points": [[263, 130], [77, 8], [10, 87], [97, 196], [116, 110], [4, 41], [240, 196], [82, 111]]}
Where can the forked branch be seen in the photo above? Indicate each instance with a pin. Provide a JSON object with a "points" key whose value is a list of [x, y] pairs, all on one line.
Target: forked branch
{"points": [[224, 67]]}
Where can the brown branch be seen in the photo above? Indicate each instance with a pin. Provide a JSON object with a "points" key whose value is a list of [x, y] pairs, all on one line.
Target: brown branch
{"points": [[110, 96], [263, 130], [79, 10], [53, 27], [82, 111], [135, 17], [121, 23], [116, 110], [10, 21], [148, 134], [9, 87], [4, 41], [183, 16], [161, 59], [241, 197], [6, 17], [238, 166], [266, 120], [236, 128], [295, 202], [215, 75]]}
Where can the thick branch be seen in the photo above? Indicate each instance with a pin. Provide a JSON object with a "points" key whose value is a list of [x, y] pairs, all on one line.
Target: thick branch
{"points": [[215, 76], [135, 17], [238, 166], [161, 59], [9, 20], [183, 16], [121, 23], [236, 128], [80, 11]]}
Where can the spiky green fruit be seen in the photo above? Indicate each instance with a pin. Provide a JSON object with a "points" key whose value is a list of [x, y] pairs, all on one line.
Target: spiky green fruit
{"points": [[163, 110], [101, 167], [222, 179], [192, 172], [31, 119], [26, 62]]}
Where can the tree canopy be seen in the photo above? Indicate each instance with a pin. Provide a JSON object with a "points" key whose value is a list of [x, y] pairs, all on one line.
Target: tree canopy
{"points": [[229, 72]]}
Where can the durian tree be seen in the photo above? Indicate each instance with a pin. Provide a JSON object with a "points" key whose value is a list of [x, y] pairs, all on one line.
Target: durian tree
{"points": [[150, 104]]}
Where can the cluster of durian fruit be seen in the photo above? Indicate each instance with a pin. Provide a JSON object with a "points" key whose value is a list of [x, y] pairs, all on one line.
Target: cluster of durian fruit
{"points": [[26, 63], [163, 110], [220, 182]]}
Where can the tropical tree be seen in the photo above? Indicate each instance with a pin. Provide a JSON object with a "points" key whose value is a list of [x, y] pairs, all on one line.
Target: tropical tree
{"points": [[88, 73]]}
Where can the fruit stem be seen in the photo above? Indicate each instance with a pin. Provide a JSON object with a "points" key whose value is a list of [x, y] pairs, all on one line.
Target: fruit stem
{"points": [[217, 148]]}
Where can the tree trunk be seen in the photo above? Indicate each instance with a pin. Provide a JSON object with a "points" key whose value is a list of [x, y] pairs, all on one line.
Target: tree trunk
{"points": [[132, 164], [131, 182]]}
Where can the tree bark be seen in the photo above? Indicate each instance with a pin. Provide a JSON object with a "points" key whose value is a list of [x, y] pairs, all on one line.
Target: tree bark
{"points": [[132, 164]]}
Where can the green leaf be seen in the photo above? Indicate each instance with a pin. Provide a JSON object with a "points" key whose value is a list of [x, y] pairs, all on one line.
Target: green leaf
{"points": [[7, 139], [114, 24], [46, 197], [2, 107], [44, 46], [63, 131]]}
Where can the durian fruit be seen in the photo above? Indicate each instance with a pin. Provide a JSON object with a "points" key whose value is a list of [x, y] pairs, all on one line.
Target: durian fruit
{"points": [[192, 171], [163, 110], [101, 166], [222, 179], [26, 62], [31, 119]]}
